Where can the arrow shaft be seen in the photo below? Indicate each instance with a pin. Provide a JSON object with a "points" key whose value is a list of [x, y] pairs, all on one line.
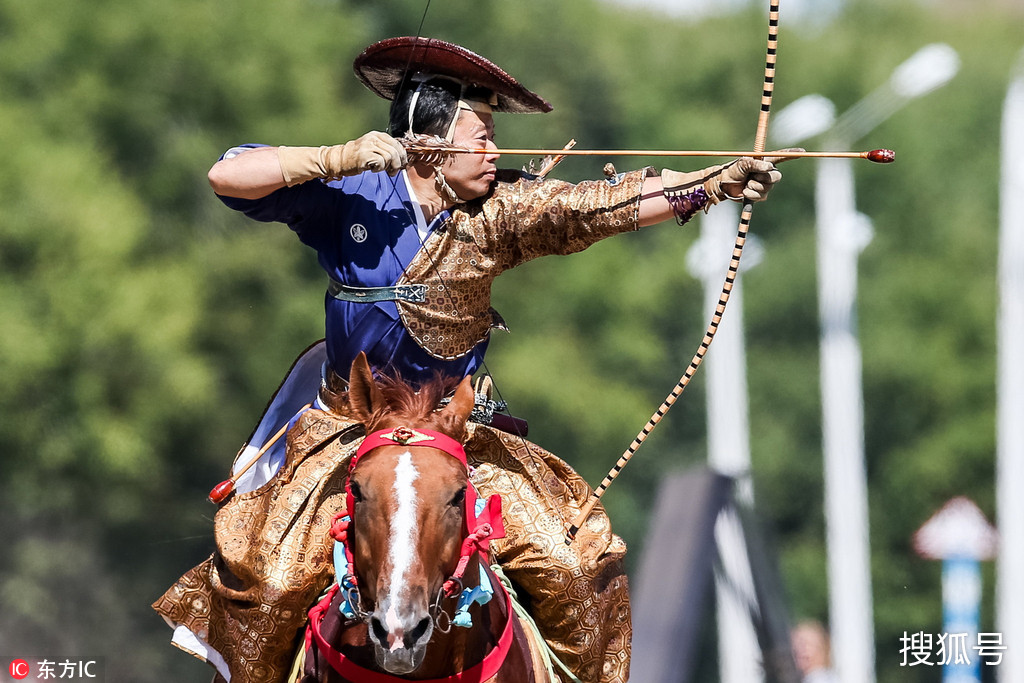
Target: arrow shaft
{"points": [[880, 156]]}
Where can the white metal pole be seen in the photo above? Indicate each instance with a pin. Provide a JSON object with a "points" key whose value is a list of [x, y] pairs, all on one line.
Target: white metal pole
{"points": [[841, 234], [1010, 387], [729, 441]]}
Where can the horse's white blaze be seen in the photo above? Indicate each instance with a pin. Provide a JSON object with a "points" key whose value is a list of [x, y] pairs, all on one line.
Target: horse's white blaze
{"points": [[403, 537]]}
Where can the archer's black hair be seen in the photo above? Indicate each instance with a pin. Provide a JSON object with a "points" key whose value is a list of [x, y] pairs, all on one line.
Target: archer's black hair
{"points": [[435, 106]]}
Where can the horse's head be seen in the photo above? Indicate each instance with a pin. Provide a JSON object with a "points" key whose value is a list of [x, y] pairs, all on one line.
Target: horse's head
{"points": [[407, 509]]}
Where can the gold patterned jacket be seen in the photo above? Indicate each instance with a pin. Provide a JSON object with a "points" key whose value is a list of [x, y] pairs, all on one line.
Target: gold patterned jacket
{"points": [[522, 218]]}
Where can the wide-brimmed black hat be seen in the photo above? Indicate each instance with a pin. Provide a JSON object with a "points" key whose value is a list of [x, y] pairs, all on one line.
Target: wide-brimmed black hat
{"points": [[382, 67]]}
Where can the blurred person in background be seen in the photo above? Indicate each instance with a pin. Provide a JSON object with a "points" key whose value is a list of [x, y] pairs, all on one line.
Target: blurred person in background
{"points": [[812, 652]]}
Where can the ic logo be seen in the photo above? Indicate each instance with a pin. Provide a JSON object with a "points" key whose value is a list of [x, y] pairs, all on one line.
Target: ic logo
{"points": [[19, 669]]}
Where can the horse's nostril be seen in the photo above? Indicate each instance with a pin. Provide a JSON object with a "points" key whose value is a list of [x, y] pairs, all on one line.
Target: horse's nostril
{"points": [[417, 633], [378, 630]]}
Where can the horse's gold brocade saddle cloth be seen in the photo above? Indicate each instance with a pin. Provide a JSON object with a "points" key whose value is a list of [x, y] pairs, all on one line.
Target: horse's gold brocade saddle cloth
{"points": [[274, 557], [249, 600]]}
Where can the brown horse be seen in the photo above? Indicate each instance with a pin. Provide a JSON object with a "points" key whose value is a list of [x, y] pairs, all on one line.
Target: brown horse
{"points": [[411, 550]]}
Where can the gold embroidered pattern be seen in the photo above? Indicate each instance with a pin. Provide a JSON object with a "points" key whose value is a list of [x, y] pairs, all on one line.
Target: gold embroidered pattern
{"points": [[522, 219]]}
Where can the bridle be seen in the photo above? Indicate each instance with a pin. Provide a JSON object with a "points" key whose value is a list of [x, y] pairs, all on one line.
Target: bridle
{"points": [[478, 531]]}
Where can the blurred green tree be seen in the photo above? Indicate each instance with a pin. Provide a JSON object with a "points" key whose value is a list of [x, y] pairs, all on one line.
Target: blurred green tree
{"points": [[145, 325]]}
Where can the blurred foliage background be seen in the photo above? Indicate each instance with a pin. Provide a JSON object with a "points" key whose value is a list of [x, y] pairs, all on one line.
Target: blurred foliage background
{"points": [[144, 325]]}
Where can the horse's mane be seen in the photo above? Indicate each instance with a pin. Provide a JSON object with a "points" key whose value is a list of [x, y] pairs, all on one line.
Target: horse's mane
{"points": [[403, 401]]}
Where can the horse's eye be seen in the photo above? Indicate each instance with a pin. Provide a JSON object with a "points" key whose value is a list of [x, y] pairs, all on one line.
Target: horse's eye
{"points": [[356, 493], [459, 498]]}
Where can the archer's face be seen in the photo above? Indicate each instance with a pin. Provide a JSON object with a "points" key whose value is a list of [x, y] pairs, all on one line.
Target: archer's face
{"points": [[471, 175]]}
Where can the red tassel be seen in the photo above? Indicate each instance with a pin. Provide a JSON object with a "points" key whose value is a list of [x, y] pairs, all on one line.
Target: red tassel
{"points": [[339, 527]]}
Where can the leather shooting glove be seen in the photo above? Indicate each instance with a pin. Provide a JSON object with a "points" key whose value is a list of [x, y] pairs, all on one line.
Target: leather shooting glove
{"points": [[374, 151], [744, 179], [748, 179]]}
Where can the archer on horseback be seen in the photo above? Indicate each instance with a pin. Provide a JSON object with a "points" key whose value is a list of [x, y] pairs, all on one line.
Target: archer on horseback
{"points": [[411, 250]]}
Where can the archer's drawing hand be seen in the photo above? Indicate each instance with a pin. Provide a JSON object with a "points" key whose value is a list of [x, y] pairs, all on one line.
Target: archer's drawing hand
{"points": [[374, 151]]}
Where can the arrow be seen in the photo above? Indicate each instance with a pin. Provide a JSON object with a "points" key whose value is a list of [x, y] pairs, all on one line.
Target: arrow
{"points": [[419, 148], [227, 487]]}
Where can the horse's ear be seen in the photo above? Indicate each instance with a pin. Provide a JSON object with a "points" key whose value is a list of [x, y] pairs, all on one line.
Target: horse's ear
{"points": [[462, 402], [364, 396]]}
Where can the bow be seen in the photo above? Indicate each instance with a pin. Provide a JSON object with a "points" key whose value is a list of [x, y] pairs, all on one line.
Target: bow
{"points": [[760, 138]]}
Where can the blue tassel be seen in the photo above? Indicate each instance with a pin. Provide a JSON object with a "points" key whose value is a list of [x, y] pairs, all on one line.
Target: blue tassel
{"points": [[480, 595], [340, 574]]}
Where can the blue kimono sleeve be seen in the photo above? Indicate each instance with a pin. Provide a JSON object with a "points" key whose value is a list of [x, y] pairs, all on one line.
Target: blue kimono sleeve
{"points": [[303, 207]]}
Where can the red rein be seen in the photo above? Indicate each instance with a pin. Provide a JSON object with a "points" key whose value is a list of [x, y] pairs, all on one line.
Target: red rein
{"points": [[483, 671]]}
